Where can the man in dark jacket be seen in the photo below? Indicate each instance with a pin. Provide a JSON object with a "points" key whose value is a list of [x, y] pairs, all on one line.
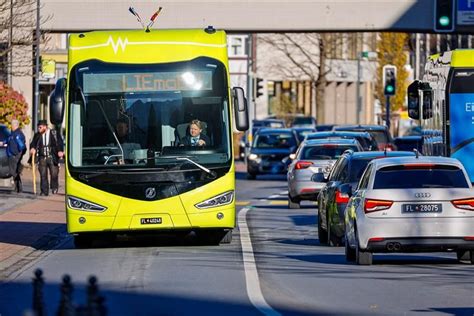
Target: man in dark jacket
{"points": [[48, 146], [16, 148], [196, 137]]}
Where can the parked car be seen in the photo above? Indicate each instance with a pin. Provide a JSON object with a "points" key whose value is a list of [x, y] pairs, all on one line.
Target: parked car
{"points": [[332, 203], [379, 132], [302, 132], [409, 143], [270, 151], [314, 156], [410, 204], [367, 141]]}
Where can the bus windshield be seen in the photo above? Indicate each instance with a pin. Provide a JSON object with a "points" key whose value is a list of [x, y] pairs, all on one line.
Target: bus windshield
{"points": [[142, 115]]}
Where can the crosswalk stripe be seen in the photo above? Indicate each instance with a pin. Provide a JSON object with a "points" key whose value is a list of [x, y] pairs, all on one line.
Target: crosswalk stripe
{"points": [[242, 203]]}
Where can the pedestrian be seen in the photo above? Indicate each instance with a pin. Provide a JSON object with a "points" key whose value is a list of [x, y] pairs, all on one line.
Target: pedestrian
{"points": [[48, 146], [16, 148]]}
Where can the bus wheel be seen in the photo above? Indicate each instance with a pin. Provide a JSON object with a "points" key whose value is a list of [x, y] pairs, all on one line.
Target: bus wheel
{"points": [[83, 241]]}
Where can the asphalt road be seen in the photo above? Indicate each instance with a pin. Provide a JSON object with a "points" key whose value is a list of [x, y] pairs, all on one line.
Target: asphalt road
{"points": [[279, 268]]}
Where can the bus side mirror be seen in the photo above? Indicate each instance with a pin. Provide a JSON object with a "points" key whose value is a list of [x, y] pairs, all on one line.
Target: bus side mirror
{"points": [[240, 109], [57, 102], [414, 100]]}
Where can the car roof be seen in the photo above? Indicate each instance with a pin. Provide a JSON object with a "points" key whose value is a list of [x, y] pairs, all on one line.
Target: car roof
{"points": [[334, 141], [381, 154], [266, 130], [394, 161], [339, 133], [363, 127], [302, 129]]}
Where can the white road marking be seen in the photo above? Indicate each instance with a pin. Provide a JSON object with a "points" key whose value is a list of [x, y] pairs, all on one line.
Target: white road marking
{"points": [[252, 282], [274, 196], [284, 192]]}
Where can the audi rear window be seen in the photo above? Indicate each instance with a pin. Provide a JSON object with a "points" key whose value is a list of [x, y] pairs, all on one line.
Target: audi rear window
{"points": [[420, 176]]}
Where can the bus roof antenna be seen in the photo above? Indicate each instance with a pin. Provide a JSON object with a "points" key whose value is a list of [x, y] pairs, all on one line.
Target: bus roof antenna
{"points": [[135, 13], [153, 18]]}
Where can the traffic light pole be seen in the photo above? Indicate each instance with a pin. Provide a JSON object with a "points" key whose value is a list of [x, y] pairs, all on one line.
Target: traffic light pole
{"points": [[387, 112]]}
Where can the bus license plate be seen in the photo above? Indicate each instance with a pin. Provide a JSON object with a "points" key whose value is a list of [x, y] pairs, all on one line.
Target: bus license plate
{"points": [[151, 220], [421, 208]]}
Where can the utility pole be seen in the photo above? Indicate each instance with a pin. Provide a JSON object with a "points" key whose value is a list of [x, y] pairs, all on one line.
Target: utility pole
{"points": [[358, 103], [417, 56], [37, 66]]}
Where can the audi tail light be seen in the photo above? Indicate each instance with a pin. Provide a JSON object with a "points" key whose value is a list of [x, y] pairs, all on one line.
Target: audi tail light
{"points": [[465, 204], [376, 205], [341, 197], [303, 165]]}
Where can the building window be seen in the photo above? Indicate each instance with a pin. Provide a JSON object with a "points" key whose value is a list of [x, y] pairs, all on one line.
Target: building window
{"points": [[237, 45]]}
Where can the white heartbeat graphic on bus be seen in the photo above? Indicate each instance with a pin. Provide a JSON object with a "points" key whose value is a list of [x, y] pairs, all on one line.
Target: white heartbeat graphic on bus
{"points": [[122, 44]]}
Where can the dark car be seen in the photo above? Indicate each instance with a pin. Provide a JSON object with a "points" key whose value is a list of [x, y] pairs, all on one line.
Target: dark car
{"points": [[301, 132], [4, 168], [379, 132], [304, 121], [271, 123], [332, 203], [324, 127], [367, 141], [409, 143], [269, 151]]}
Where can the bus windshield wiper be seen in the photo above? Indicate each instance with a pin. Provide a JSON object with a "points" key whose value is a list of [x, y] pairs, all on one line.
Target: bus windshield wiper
{"points": [[185, 159]]}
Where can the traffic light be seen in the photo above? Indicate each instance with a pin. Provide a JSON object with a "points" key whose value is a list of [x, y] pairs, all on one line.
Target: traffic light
{"points": [[389, 79], [258, 87], [444, 16]]}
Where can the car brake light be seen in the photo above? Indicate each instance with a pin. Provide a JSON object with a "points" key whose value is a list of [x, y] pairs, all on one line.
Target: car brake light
{"points": [[469, 238], [374, 239], [389, 147], [303, 165], [341, 197], [376, 205], [329, 145], [465, 204]]}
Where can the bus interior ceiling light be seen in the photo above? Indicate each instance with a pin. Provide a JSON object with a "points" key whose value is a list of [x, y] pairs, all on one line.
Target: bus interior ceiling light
{"points": [[218, 200]]}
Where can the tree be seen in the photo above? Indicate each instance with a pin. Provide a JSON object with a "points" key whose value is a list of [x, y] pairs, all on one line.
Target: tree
{"points": [[12, 106], [17, 24], [392, 49], [298, 56]]}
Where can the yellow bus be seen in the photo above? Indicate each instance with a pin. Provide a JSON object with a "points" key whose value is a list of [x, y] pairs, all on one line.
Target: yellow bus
{"points": [[443, 103], [128, 101]]}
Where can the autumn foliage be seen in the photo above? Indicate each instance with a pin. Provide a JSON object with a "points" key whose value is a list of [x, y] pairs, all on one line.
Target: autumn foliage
{"points": [[12, 106]]}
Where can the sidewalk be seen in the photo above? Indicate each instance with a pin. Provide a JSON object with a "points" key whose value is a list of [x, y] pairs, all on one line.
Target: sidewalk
{"points": [[28, 222]]}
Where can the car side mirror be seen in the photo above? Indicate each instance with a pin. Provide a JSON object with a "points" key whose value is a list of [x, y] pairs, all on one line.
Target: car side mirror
{"points": [[346, 188], [319, 177]]}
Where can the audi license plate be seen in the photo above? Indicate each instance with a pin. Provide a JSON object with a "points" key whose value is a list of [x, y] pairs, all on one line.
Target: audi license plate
{"points": [[422, 208], [151, 220]]}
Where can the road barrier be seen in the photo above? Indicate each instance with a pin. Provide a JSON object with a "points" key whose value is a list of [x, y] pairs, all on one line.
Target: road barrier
{"points": [[95, 305]]}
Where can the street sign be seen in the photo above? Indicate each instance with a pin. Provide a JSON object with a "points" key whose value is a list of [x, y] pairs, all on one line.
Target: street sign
{"points": [[465, 12]]}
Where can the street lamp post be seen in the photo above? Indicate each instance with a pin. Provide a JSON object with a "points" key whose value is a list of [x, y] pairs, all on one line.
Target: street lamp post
{"points": [[37, 65], [365, 55]]}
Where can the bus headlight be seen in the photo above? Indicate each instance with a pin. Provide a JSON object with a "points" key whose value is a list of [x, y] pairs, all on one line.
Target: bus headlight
{"points": [[83, 205], [218, 200]]}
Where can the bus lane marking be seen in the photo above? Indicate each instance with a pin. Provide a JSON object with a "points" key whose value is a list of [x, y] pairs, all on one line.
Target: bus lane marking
{"points": [[252, 281]]}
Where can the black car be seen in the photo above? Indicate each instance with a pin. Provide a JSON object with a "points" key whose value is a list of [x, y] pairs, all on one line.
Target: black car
{"points": [[409, 143], [379, 132], [4, 168], [269, 151], [366, 140], [332, 203], [271, 123]]}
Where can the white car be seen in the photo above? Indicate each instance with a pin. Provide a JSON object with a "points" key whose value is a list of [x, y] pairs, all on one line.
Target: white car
{"points": [[410, 204]]}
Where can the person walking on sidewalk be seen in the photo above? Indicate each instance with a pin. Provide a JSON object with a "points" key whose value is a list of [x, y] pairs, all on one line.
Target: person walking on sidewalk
{"points": [[16, 148], [48, 146]]}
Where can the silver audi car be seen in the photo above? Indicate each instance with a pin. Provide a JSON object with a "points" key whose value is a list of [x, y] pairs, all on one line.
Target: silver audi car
{"points": [[410, 204], [314, 156]]}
